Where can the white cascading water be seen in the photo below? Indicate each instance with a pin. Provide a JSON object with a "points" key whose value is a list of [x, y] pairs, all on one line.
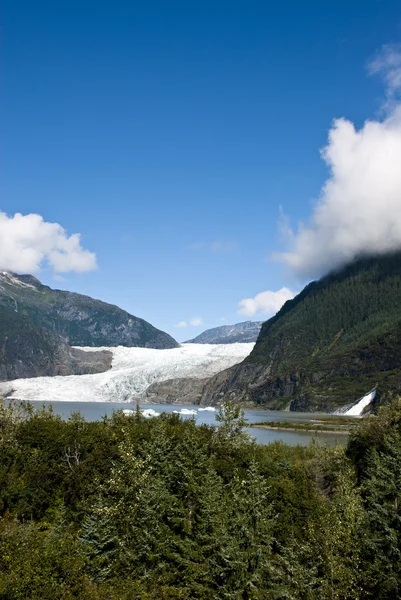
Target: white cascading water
{"points": [[358, 408]]}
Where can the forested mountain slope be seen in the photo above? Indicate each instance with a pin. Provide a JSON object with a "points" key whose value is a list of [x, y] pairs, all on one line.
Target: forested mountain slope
{"points": [[333, 342]]}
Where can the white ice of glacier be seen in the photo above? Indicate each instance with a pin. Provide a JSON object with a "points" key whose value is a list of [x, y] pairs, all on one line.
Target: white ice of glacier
{"points": [[133, 371]]}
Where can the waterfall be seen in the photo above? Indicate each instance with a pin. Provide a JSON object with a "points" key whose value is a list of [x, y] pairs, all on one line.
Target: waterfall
{"points": [[357, 409]]}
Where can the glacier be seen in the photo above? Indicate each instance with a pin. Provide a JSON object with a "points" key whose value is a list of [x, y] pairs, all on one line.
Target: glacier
{"points": [[133, 371]]}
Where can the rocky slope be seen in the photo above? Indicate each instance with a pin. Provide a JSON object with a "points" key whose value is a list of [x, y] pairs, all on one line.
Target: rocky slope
{"points": [[331, 344], [183, 390], [27, 350], [246, 332], [79, 320]]}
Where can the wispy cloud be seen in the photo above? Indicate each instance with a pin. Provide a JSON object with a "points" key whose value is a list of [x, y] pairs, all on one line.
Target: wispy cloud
{"points": [[27, 243], [359, 209], [59, 278], [387, 63], [267, 302], [216, 246], [194, 322]]}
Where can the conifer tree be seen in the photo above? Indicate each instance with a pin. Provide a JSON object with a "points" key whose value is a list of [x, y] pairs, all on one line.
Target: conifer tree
{"points": [[381, 489]]}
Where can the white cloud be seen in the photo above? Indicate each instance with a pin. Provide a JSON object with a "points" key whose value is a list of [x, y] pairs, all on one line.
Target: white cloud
{"points": [[196, 321], [27, 242], [387, 63], [359, 210], [266, 302]]}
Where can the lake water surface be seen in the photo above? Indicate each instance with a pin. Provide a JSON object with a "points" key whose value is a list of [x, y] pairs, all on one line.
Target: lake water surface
{"points": [[94, 411]]}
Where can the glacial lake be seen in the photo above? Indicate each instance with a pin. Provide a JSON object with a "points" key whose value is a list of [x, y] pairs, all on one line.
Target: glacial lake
{"points": [[94, 411]]}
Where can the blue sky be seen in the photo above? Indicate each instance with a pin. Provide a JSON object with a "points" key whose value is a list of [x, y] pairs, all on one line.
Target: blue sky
{"points": [[168, 134]]}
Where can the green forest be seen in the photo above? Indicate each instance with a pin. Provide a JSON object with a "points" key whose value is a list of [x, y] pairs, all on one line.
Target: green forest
{"points": [[129, 508], [335, 340]]}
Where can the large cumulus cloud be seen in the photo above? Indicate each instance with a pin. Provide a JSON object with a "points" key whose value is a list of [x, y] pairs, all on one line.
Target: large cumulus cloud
{"points": [[266, 303], [27, 243], [359, 209]]}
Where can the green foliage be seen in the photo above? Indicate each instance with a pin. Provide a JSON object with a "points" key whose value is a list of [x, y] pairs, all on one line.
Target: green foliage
{"points": [[232, 424], [336, 339], [135, 509]]}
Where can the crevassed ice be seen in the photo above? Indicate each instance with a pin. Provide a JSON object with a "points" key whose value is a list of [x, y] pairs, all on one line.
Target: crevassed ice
{"points": [[133, 371]]}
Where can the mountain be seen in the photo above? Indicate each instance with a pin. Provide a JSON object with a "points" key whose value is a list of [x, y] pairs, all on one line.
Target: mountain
{"points": [[79, 320], [329, 345], [246, 332], [38, 326], [27, 350]]}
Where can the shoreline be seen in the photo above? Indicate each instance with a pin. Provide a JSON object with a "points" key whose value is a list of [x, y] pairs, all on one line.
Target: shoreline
{"points": [[300, 429]]}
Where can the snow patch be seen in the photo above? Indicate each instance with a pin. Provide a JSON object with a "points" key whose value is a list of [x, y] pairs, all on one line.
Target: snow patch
{"points": [[15, 281]]}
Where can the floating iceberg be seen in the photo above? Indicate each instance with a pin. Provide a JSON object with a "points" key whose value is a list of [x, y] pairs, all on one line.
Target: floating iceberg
{"points": [[148, 413], [185, 411], [208, 408]]}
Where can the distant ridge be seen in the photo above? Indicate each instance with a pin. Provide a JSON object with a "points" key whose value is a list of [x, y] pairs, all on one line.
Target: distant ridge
{"points": [[245, 332]]}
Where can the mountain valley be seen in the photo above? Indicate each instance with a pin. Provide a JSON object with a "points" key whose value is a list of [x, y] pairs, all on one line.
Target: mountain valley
{"points": [[331, 344]]}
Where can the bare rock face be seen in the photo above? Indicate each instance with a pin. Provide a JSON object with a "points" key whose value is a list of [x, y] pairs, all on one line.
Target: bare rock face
{"points": [[176, 391], [27, 350], [88, 362]]}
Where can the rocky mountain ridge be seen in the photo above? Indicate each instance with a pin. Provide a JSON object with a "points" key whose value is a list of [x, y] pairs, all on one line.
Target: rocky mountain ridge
{"points": [[80, 320], [38, 326], [246, 332], [27, 350]]}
